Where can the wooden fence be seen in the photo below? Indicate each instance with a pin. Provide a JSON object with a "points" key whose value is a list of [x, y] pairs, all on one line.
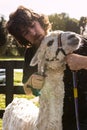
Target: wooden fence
{"points": [[9, 89]]}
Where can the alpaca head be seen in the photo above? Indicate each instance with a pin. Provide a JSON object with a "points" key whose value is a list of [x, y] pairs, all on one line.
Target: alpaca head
{"points": [[48, 52]]}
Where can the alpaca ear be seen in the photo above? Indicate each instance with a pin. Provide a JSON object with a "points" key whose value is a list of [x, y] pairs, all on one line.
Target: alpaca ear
{"points": [[34, 60], [39, 55]]}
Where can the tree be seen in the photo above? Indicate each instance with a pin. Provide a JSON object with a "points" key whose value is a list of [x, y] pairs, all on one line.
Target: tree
{"points": [[63, 22], [82, 24], [72, 25], [3, 35]]}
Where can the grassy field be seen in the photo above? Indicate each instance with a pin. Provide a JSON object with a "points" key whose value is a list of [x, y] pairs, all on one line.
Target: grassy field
{"points": [[17, 81]]}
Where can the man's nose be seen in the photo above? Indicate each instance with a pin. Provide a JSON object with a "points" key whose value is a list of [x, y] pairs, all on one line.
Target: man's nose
{"points": [[32, 32]]}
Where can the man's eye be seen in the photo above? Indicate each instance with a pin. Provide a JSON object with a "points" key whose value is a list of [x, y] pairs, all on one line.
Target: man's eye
{"points": [[25, 33]]}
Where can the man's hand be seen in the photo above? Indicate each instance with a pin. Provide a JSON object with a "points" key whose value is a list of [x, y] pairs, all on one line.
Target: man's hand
{"points": [[76, 62], [26, 88], [36, 81]]}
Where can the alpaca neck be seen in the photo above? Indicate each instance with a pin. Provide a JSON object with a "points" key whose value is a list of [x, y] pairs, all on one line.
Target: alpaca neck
{"points": [[51, 102]]}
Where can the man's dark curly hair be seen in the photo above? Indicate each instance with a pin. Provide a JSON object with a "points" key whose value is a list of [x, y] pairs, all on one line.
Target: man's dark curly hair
{"points": [[24, 17]]}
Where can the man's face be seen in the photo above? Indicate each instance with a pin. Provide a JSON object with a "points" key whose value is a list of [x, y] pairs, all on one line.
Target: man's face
{"points": [[34, 33]]}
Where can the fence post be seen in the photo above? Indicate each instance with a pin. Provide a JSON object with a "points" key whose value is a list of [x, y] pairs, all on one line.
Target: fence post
{"points": [[9, 82], [9, 89]]}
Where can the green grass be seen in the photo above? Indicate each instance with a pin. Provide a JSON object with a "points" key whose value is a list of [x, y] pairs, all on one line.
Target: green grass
{"points": [[18, 77], [11, 58], [0, 124]]}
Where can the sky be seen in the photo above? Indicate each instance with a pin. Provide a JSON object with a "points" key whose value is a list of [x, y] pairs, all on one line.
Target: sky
{"points": [[74, 8]]}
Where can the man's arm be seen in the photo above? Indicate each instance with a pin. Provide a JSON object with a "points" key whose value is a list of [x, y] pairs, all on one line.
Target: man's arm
{"points": [[76, 62]]}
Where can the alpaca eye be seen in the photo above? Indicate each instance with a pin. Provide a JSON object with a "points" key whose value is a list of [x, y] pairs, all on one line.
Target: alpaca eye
{"points": [[50, 43]]}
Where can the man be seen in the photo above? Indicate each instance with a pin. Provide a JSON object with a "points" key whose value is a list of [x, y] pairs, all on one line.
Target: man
{"points": [[29, 28]]}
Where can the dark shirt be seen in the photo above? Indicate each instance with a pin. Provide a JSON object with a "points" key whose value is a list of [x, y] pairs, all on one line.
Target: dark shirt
{"points": [[69, 122], [28, 70], [69, 109]]}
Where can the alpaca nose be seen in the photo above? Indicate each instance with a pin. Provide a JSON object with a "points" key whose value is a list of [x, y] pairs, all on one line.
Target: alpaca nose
{"points": [[73, 39], [71, 36]]}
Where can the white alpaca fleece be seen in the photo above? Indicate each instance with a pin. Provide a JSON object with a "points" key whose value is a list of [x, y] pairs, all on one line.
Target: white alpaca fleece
{"points": [[22, 114]]}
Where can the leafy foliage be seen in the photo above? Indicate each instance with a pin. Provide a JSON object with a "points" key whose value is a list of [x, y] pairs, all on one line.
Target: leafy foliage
{"points": [[9, 46], [63, 22], [3, 32]]}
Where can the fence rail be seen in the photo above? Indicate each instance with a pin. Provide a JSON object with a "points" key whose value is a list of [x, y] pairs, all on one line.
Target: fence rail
{"points": [[9, 89]]}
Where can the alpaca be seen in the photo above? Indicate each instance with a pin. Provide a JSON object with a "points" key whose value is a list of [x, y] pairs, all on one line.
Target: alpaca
{"points": [[22, 114]]}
